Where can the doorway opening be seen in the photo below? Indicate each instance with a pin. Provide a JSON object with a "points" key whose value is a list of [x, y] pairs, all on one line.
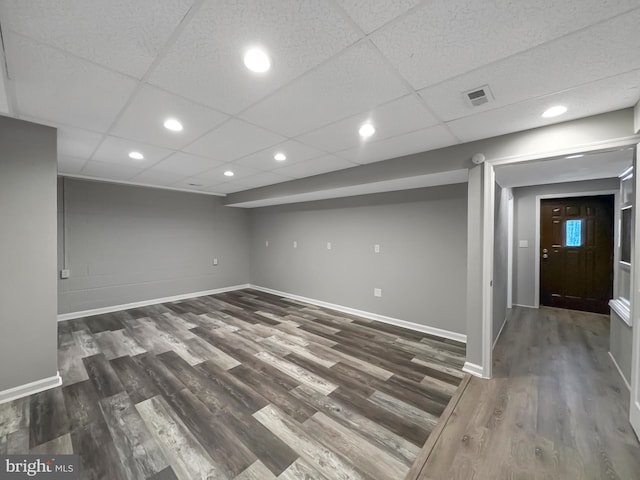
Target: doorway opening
{"points": [[576, 252]]}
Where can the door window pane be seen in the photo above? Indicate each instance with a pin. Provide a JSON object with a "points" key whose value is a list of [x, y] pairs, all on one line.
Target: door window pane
{"points": [[625, 236], [573, 233]]}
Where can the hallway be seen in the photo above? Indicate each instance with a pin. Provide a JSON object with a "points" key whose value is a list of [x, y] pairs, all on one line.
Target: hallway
{"points": [[556, 408]]}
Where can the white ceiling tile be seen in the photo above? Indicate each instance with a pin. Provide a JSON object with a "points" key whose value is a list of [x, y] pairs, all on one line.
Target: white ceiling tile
{"points": [[595, 53], [399, 116], [191, 183], [598, 97], [70, 165], [206, 63], [124, 35], [353, 82], [225, 188], [446, 38], [154, 177], [316, 166], [116, 150], [109, 171], [233, 140], [372, 14], [294, 151], [262, 179], [216, 175], [57, 87], [73, 142], [419, 141], [144, 117], [185, 163]]}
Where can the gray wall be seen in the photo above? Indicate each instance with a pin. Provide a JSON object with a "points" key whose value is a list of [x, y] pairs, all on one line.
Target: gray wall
{"points": [[525, 228], [500, 259], [421, 268], [28, 253], [127, 244], [620, 344]]}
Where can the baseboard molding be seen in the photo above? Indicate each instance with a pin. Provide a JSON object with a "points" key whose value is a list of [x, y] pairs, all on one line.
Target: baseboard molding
{"points": [[619, 371], [526, 306], [371, 316], [116, 308], [473, 369], [30, 388], [495, 342]]}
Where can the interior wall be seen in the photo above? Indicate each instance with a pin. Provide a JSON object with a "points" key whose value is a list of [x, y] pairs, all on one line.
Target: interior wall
{"points": [[421, 267], [28, 301], [127, 244], [500, 259], [621, 344], [525, 229]]}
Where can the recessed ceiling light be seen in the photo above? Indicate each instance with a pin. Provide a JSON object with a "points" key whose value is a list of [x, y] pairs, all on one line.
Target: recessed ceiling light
{"points": [[554, 111], [228, 173], [173, 125], [367, 130], [257, 60], [136, 155], [576, 156], [280, 157]]}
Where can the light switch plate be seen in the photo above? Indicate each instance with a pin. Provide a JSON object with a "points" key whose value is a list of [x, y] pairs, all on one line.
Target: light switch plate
{"points": [[523, 243], [65, 273], [377, 292]]}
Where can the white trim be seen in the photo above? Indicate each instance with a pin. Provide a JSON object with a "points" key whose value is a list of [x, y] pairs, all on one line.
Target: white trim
{"points": [[30, 388], [488, 233], [603, 145], [506, 319], [473, 369], [459, 337], [615, 364], [510, 205], [525, 306], [622, 309], [145, 303], [616, 212]]}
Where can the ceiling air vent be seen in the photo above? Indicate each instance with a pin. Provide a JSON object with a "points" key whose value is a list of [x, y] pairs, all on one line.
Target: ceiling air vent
{"points": [[478, 96]]}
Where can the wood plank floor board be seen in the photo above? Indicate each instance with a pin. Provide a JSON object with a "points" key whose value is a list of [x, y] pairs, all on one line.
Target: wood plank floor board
{"points": [[135, 380], [139, 454], [376, 434], [556, 408], [242, 386], [48, 417]]}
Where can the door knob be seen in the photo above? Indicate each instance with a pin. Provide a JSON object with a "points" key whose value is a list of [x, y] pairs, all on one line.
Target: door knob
{"points": [[544, 250], [545, 256]]}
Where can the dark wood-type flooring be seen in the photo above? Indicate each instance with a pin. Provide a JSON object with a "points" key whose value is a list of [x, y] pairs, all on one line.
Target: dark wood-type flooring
{"points": [[556, 408], [242, 385]]}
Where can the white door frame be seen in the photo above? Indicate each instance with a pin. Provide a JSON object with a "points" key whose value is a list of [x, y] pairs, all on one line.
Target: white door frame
{"points": [[634, 403], [488, 231], [488, 227], [616, 222]]}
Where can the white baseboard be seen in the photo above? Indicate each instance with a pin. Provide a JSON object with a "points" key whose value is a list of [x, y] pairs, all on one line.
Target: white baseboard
{"points": [[620, 371], [372, 316], [30, 388], [526, 306], [146, 303], [506, 318], [473, 369]]}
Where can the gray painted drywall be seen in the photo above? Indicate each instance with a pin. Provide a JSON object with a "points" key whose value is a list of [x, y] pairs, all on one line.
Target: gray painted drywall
{"points": [[127, 244], [539, 142], [421, 267], [500, 259], [525, 228], [28, 300], [474, 267], [621, 343]]}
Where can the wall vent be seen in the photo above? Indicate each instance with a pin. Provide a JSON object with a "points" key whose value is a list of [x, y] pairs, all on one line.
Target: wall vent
{"points": [[478, 96]]}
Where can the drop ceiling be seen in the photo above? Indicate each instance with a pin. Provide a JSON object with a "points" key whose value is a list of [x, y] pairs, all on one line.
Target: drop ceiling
{"points": [[107, 73]]}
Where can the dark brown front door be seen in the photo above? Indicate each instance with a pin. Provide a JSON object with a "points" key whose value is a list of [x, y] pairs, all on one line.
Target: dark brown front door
{"points": [[576, 253]]}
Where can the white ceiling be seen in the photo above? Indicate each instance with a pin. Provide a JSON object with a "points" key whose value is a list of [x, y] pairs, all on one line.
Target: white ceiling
{"points": [[107, 73], [589, 166]]}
